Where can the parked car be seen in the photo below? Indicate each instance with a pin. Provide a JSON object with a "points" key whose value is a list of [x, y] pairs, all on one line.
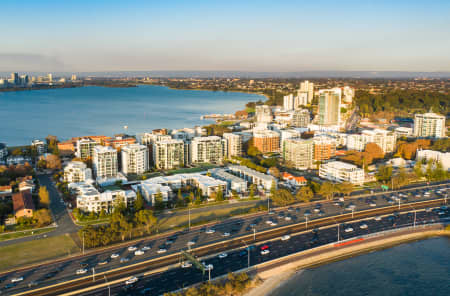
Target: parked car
{"points": [[131, 280]]}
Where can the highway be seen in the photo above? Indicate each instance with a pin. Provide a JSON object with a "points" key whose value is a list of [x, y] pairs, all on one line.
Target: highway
{"points": [[328, 213]]}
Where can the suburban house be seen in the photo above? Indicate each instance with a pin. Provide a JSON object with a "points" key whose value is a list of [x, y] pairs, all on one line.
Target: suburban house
{"points": [[23, 204]]}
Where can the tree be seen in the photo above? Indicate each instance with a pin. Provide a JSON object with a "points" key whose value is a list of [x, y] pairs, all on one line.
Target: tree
{"points": [[44, 198], [384, 173], [374, 151], [274, 171], [42, 217], [283, 197], [326, 190], [252, 190], [418, 169], [345, 187], [219, 195], [159, 204], [305, 194], [139, 203], [273, 189], [53, 162], [145, 219]]}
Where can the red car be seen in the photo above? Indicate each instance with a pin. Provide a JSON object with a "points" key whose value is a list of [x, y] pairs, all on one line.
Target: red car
{"points": [[265, 247]]}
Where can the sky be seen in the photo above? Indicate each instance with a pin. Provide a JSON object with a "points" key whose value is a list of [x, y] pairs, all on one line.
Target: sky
{"points": [[277, 35]]}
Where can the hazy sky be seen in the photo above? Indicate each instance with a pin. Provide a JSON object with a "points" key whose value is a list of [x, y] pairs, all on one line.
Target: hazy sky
{"points": [[276, 35]]}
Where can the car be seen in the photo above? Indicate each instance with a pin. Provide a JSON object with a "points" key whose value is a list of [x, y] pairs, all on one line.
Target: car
{"points": [[84, 264], [161, 250], [186, 264], [242, 253], [363, 226], [287, 218], [377, 218], [208, 266], [169, 242], [131, 280], [348, 229], [265, 247], [265, 252], [316, 210], [223, 255], [271, 212], [280, 216], [81, 271], [124, 259], [50, 274], [114, 256], [103, 262], [273, 223], [191, 243], [210, 231], [269, 222], [10, 285], [290, 209], [146, 248], [17, 279], [285, 237], [33, 284], [132, 248], [226, 234], [372, 204], [252, 225], [139, 252], [307, 213], [341, 199]]}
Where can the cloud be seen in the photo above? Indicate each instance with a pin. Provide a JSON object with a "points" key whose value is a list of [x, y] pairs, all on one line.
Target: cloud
{"points": [[30, 62]]}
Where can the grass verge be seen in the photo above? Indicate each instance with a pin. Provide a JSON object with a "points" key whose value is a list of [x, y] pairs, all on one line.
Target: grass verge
{"points": [[19, 234], [35, 251]]}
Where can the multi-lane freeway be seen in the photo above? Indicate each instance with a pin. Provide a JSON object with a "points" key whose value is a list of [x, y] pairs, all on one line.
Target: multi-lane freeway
{"points": [[59, 277]]}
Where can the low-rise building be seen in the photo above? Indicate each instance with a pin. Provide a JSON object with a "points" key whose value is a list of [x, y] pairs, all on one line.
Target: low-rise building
{"points": [[436, 156], [17, 159], [77, 171], [233, 182], [23, 204], [403, 132], [338, 171], [254, 177], [3, 151], [294, 180], [383, 138]]}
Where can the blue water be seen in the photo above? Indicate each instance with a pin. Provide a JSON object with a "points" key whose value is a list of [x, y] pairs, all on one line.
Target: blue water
{"points": [[420, 268], [28, 115]]}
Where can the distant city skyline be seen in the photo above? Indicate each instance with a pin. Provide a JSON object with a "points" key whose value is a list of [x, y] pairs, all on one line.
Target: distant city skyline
{"points": [[255, 36]]}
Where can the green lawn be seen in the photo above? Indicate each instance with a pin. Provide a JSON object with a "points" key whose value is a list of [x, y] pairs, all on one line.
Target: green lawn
{"points": [[18, 234], [200, 168], [181, 221], [20, 254]]}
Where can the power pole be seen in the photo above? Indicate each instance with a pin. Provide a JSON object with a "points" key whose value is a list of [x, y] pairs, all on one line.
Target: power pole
{"points": [[338, 233], [189, 218]]}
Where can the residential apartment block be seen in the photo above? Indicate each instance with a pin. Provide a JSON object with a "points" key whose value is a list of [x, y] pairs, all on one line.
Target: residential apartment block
{"points": [[134, 159], [301, 118], [233, 144], [85, 148], [168, 154], [330, 106], [104, 162], [429, 125], [338, 171], [383, 138], [207, 150], [299, 153], [77, 171], [266, 141], [324, 147]]}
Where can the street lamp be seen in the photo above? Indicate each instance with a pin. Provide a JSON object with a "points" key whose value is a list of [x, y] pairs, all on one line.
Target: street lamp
{"points": [[399, 201], [248, 254], [254, 233], [306, 217], [353, 210], [83, 242], [415, 212], [93, 274], [268, 204], [109, 287], [189, 209], [338, 232]]}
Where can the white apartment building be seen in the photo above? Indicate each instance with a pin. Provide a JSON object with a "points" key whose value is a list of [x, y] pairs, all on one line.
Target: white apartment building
{"points": [[168, 154], [207, 150], [134, 159], [429, 125], [383, 138], [104, 162], [288, 102], [301, 99], [338, 171], [77, 171], [289, 134], [301, 118], [299, 153], [234, 144], [436, 156], [330, 106], [233, 182], [254, 177], [263, 114], [3, 151], [40, 146], [308, 87], [404, 131], [85, 148], [90, 200], [347, 94]]}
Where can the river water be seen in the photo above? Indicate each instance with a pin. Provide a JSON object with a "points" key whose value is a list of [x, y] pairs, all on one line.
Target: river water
{"points": [[419, 268], [70, 112]]}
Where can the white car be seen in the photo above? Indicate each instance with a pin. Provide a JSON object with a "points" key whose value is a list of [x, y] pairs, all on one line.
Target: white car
{"points": [[17, 279], [285, 237], [186, 264], [131, 280], [145, 248], [81, 271], [363, 226], [114, 256], [191, 243], [124, 259], [348, 229], [103, 262], [226, 234], [139, 252], [210, 231], [132, 248], [223, 255], [273, 224], [269, 222], [161, 250], [372, 204], [265, 252], [287, 218], [377, 218]]}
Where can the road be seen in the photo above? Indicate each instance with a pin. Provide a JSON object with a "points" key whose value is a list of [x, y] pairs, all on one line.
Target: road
{"points": [[328, 213], [59, 212]]}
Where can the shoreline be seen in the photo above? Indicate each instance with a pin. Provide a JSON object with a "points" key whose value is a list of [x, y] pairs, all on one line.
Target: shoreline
{"points": [[280, 271]]}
